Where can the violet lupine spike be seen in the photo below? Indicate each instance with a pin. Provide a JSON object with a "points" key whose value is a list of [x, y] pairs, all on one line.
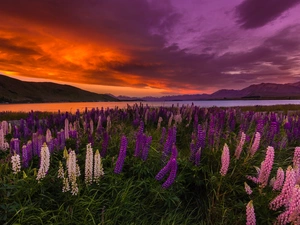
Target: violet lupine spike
{"points": [[25, 158], [173, 170], [193, 151], [198, 157], [163, 171], [225, 160], [168, 144], [104, 144], [29, 150], [266, 167], [146, 147], [163, 134], [39, 144], [174, 152], [122, 155]]}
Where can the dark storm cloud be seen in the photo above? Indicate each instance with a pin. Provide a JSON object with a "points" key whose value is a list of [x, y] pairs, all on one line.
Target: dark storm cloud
{"points": [[12, 46], [135, 41], [257, 13]]}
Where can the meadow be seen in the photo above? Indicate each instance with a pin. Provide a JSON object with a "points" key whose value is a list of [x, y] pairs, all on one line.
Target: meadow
{"points": [[151, 165]]}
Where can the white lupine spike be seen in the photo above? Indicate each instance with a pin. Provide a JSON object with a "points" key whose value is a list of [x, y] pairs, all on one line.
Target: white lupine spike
{"points": [[44, 163], [16, 163], [98, 167], [89, 164]]}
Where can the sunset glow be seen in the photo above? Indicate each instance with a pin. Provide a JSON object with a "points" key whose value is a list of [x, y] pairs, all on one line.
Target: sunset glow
{"points": [[150, 47]]}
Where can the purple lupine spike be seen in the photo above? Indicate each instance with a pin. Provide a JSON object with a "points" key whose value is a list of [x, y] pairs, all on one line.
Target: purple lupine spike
{"points": [[25, 159], [163, 134], [198, 157], [163, 171], [91, 139], [104, 144], [174, 132], [50, 146], [174, 151], [62, 139], [122, 155], [15, 146], [39, 144], [260, 126], [173, 170], [146, 147], [193, 150]]}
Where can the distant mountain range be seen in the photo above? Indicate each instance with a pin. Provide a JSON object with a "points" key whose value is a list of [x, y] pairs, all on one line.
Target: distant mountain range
{"points": [[16, 91], [257, 91]]}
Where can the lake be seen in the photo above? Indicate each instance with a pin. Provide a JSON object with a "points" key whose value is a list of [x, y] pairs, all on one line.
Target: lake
{"points": [[73, 106]]}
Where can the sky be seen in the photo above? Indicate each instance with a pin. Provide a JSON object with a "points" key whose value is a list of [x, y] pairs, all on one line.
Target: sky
{"points": [[151, 47]]}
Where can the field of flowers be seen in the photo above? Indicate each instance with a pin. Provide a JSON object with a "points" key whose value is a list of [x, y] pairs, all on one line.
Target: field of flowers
{"points": [[144, 165]]}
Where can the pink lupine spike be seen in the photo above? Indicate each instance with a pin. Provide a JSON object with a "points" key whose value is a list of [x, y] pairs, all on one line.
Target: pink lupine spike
{"points": [[250, 214], [225, 160], [266, 167]]}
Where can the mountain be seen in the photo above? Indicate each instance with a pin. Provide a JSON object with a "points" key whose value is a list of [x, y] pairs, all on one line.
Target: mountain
{"points": [[257, 91], [16, 91]]}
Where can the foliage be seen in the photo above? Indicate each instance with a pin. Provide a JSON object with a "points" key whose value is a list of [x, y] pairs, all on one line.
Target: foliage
{"points": [[199, 194]]}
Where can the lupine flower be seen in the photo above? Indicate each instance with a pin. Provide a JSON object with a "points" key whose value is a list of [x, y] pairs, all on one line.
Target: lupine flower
{"points": [[91, 127], [266, 167], [159, 123], [296, 163], [98, 167], [294, 208], [74, 187], [170, 120], [279, 179], [48, 136], [16, 163], [89, 164], [284, 197], [225, 160], [108, 124], [197, 157], [247, 189], [25, 158], [73, 171], [163, 171], [250, 214], [60, 172], [66, 185], [66, 130], [44, 163], [122, 155], [146, 147], [240, 146], [255, 144], [172, 175], [104, 144]]}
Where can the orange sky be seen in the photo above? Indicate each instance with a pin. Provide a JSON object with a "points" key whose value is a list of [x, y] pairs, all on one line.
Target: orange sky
{"points": [[149, 47]]}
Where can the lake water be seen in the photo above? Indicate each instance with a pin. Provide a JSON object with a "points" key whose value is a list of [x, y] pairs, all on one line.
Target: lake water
{"points": [[73, 106]]}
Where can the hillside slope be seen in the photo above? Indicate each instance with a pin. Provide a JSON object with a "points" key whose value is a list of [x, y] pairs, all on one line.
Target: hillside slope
{"points": [[16, 91]]}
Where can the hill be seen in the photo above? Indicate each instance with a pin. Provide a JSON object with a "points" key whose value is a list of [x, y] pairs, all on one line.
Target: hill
{"points": [[17, 91]]}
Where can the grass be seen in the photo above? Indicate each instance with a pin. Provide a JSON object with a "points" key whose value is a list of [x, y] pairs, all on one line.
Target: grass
{"points": [[199, 195]]}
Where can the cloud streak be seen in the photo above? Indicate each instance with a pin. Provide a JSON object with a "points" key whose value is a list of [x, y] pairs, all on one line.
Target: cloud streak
{"points": [[166, 46]]}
